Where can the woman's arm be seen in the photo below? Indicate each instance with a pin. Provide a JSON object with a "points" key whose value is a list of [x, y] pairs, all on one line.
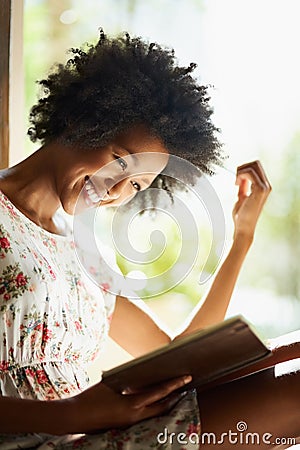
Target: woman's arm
{"points": [[97, 408], [138, 334], [27, 416], [254, 189], [217, 301], [134, 330]]}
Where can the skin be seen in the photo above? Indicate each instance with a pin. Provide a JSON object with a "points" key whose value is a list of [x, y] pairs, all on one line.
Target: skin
{"points": [[55, 176]]}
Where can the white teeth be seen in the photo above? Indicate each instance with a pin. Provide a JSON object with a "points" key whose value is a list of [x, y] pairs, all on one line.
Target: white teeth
{"points": [[89, 185], [94, 197]]}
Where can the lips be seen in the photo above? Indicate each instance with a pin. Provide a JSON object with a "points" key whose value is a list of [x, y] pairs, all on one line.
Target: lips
{"points": [[92, 196], [92, 192]]}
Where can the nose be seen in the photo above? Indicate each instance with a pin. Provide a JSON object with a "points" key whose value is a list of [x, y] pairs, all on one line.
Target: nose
{"points": [[113, 189], [111, 195], [121, 190]]}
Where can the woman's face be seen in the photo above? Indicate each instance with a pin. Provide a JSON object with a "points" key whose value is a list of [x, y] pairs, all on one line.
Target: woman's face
{"points": [[112, 175]]}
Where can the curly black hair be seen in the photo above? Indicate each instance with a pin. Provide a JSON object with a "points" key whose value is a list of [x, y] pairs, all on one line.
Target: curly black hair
{"points": [[118, 82]]}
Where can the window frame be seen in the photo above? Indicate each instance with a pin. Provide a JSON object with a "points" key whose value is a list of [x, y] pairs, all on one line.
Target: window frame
{"points": [[5, 21], [12, 93]]}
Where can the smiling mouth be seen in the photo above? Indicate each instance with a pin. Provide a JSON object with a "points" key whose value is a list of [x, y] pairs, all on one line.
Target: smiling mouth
{"points": [[92, 193]]}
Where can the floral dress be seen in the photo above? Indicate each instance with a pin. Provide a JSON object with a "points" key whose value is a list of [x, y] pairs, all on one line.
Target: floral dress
{"points": [[54, 321]]}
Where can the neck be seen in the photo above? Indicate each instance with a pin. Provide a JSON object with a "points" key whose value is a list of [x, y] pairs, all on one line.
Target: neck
{"points": [[31, 187]]}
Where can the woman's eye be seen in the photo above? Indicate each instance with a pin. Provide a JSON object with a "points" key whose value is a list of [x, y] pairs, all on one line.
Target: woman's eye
{"points": [[136, 185], [122, 163]]}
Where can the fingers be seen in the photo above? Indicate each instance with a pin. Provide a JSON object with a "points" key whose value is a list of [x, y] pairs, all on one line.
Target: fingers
{"points": [[257, 167], [102, 408], [254, 188], [254, 172], [159, 392], [163, 406], [252, 182], [244, 187]]}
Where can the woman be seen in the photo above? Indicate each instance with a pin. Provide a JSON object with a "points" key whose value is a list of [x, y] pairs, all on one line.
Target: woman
{"points": [[105, 110]]}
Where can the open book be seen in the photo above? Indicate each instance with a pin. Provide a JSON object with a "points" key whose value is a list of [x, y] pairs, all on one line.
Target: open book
{"points": [[206, 355]]}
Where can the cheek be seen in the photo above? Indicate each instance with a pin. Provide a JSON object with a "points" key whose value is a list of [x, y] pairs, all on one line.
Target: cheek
{"points": [[126, 197], [119, 202], [73, 203], [125, 193], [71, 196]]}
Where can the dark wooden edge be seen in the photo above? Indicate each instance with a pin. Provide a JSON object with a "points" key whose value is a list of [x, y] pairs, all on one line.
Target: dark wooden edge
{"points": [[5, 16]]}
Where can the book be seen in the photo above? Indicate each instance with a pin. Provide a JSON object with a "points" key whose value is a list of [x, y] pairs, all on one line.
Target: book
{"points": [[207, 355]]}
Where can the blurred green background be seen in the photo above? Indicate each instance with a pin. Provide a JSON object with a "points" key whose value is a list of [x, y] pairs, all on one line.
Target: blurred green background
{"points": [[248, 52]]}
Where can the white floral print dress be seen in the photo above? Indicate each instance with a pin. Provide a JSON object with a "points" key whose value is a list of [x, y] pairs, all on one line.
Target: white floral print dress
{"points": [[53, 322]]}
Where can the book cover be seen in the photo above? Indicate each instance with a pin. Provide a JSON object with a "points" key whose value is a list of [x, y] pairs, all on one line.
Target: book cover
{"points": [[207, 355]]}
